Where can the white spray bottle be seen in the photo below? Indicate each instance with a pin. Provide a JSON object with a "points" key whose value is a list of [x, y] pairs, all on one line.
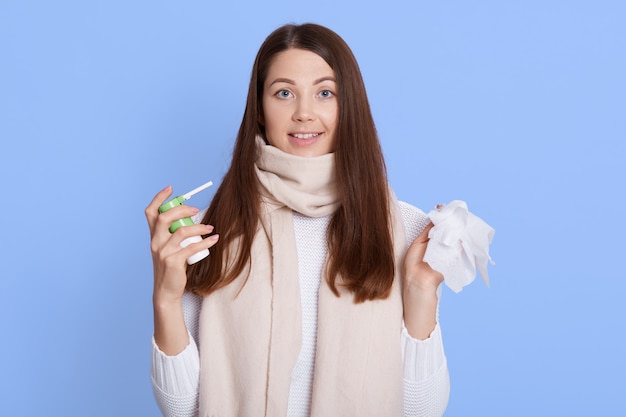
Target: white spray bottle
{"points": [[186, 221]]}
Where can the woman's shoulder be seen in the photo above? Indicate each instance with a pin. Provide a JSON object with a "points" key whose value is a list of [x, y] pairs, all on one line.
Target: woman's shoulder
{"points": [[415, 220], [410, 209], [410, 212]]}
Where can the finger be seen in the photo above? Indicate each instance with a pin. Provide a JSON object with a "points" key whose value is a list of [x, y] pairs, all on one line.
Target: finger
{"points": [[186, 232], [177, 213], [417, 249], [178, 255], [161, 230], [196, 247], [423, 237], [152, 211], [170, 250]]}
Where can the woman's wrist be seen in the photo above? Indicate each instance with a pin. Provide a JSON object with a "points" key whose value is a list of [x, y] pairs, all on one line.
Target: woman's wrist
{"points": [[424, 288], [420, 309], [165, 298], [170, 331]]}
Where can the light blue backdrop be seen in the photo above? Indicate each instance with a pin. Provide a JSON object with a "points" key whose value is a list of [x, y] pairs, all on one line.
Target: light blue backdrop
{"points": [[517, 107]]}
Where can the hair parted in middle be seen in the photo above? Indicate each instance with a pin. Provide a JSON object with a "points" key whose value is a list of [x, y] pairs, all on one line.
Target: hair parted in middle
{"points": [[359, 234]]}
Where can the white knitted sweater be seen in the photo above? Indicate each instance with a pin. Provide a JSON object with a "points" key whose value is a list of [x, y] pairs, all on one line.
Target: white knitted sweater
{"points": [[426, 381]]}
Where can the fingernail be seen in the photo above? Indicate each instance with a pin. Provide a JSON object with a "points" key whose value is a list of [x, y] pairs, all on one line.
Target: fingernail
{"points": [[214, 237], [209, 227]]}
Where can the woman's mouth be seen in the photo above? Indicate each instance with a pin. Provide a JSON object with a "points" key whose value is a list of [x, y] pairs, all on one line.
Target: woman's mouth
{"points": [[305, 136]]}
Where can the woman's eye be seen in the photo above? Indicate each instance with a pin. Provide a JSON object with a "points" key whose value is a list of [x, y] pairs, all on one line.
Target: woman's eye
{"points": [[326, 93], [283, 94]]}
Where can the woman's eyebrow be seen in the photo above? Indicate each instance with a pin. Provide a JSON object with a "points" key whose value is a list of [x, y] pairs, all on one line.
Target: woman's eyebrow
{"points": [[292, 82], [283, 80], [321, 80]]}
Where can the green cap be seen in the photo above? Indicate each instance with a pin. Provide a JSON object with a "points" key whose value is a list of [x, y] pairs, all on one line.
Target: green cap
{"points": [[175, 202]]}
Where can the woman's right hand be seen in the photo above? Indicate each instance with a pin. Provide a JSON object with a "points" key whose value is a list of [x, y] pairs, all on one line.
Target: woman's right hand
{"points": [[169, 259]]}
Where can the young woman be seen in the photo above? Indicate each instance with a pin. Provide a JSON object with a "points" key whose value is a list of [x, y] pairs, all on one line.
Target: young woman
{"points": [[315, 300]]}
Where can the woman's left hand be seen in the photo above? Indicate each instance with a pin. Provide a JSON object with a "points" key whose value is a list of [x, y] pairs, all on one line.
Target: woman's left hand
{"points": [[420, 298], [418, 273]]}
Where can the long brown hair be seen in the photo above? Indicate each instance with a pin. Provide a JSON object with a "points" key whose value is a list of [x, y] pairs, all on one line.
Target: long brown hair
{"points": [[359, 234]]}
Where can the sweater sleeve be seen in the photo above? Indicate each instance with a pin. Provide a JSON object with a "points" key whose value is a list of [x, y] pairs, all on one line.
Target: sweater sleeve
{"points": [[426, 377], [175, 379]]}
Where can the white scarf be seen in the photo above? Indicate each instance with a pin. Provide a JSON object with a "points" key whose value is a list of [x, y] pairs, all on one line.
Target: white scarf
{"points": [[250, 330]]}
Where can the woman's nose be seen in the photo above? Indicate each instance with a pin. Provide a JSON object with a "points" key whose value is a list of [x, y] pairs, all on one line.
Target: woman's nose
{"points": [[304, 111]]}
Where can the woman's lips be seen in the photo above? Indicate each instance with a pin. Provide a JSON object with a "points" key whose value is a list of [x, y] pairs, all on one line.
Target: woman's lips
{"points": [[305, 135]]}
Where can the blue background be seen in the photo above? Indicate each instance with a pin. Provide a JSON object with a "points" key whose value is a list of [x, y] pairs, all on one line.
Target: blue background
{"points": [[517, 107]]}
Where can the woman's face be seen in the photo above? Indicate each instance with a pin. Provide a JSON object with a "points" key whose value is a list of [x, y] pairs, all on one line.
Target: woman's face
{"points": [[300, 104]]}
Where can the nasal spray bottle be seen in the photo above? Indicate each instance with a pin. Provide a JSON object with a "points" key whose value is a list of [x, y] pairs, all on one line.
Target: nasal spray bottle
{"points": [[178, 201]]}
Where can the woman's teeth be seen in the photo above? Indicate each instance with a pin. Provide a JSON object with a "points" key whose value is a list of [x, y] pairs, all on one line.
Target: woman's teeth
{"points": [[305, 135]]}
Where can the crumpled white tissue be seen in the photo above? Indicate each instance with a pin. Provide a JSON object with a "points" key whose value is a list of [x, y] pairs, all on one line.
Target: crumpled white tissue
{"points": [[459, 245]]}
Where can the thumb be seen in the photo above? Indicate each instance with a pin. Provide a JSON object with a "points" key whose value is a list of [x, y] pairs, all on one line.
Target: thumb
{"points": [[423, 237]]}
